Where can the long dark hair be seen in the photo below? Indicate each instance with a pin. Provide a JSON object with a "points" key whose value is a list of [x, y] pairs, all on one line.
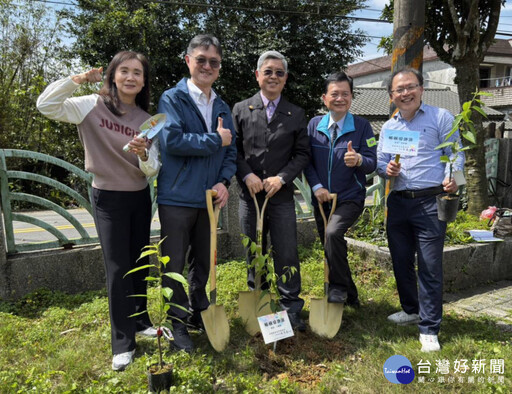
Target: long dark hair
{"points": [[109, 89]]}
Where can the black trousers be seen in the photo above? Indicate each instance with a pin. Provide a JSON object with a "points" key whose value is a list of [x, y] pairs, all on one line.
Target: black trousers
{"points": [[280, 220], [123, 222], [186, 228], [344, 216]]}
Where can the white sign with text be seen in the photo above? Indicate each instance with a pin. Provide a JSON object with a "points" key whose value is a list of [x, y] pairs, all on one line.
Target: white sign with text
{"points": [[401, 142], [275, 327]]}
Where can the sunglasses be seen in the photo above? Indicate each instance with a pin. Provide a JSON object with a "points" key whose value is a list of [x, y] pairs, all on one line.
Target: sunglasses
{"points": [[279, 73], [201, 60]]}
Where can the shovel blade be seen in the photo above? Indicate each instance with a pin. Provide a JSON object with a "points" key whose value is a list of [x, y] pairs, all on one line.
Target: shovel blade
{"points": [[216, 326], [325, 317], [250, 308]]}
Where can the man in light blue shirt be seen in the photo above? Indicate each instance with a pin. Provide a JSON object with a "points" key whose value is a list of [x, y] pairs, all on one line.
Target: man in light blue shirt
{"points": [[412, 225]]}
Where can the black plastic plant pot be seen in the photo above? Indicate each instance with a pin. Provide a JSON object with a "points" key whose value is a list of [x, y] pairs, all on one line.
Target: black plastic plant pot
{"points": [[160, 379], [447, 207]]}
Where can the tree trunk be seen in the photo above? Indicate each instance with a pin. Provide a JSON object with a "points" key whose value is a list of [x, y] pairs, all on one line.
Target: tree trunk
{"points": [[476, 180]]}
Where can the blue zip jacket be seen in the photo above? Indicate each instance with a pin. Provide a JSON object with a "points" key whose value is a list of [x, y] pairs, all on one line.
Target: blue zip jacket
{"points": [[193, 160], [327, 166]]}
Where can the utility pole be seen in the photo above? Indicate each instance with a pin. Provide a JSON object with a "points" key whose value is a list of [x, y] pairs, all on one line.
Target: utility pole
{"points": [[408, 34]]}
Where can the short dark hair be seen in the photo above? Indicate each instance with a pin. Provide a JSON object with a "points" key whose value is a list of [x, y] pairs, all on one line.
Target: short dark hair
{"points": [[404, 70], [338, 76], [109, 89], [204, 40]]}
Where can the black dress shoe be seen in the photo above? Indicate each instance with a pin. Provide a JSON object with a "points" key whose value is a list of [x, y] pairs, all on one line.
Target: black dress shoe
{"points": [[296, 321], [195, 321], [181, 340], [336, 296], [354, 303]]}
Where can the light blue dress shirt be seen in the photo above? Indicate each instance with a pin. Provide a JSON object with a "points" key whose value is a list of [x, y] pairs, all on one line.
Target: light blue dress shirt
{"points": [[424, 170]]}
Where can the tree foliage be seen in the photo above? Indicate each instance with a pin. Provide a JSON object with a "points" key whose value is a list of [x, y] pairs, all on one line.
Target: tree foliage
{"points": [[31, 54], [313, 36]]}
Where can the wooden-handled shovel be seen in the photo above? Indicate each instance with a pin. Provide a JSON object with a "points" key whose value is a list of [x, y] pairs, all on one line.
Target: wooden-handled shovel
{"points": [[251, 304], [214, 318], [325, 317]]}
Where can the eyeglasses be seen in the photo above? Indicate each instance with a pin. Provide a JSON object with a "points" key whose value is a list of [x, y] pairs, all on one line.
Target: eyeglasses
{"points": [[336, 96], [201, 60], [279, 73], [410, 88]]}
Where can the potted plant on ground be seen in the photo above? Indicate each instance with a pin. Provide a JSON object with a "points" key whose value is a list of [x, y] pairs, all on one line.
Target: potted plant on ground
{"points": [[160, 376], [448, 204]]}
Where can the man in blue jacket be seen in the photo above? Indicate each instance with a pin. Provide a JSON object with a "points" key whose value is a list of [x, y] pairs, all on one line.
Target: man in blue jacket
{"points": [[198, 152], [343, 150]]}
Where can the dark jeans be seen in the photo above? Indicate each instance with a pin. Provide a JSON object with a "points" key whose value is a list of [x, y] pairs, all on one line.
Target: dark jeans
{"points": [[344, 216], [280, 221], [413, 227], [123, 222], [186, 227]]}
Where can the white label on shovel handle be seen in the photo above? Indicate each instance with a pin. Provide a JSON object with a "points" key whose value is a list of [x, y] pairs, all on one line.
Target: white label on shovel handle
{"points": [[275, 327]]}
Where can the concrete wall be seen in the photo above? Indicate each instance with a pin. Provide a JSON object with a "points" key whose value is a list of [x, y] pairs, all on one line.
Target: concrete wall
{"points": [[463, 266]]}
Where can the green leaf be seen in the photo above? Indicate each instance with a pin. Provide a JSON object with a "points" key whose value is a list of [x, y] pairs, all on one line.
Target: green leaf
{"points": [[142, 267], [444, 159], [177, 277], [138, 313], [161, 241], [480, 111], [470, 136], [167, 292], [146, 253], [466, 106], [444, 145], [164, 260]]}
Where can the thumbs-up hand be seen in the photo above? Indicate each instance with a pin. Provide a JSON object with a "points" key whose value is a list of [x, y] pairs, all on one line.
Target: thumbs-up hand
{"points": [[225, 134], [352, 158]]}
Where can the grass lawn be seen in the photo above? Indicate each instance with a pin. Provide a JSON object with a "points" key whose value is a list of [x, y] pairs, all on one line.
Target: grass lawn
{"points": [[58, 343]]}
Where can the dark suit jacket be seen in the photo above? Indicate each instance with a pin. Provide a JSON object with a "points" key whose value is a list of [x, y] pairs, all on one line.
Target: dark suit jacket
{"points": [[279, 147]]}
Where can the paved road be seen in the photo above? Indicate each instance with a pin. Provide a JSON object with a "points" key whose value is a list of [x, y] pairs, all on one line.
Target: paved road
{"points": [[26, 233]]}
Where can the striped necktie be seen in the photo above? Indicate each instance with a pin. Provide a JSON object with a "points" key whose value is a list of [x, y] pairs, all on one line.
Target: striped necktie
{"points": [[271, 107], [334, 134]]}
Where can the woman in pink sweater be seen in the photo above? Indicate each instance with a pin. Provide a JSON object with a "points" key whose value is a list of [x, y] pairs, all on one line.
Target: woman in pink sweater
{"points": [[121, 200]]}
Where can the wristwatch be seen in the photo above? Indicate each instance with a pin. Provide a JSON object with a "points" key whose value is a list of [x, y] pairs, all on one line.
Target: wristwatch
{"points": [[281, 179]]}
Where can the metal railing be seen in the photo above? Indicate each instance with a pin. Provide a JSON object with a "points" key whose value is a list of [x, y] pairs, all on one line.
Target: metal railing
{"points": [[8, 197]]}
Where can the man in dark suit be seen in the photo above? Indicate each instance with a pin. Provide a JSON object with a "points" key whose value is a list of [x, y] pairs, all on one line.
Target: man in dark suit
{"points": [[273, 148]]}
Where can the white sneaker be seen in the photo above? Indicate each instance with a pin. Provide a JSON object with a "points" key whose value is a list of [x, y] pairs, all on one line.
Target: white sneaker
{"points": [[122, 360], [148, 332], [429, 343], [402, 318]]}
